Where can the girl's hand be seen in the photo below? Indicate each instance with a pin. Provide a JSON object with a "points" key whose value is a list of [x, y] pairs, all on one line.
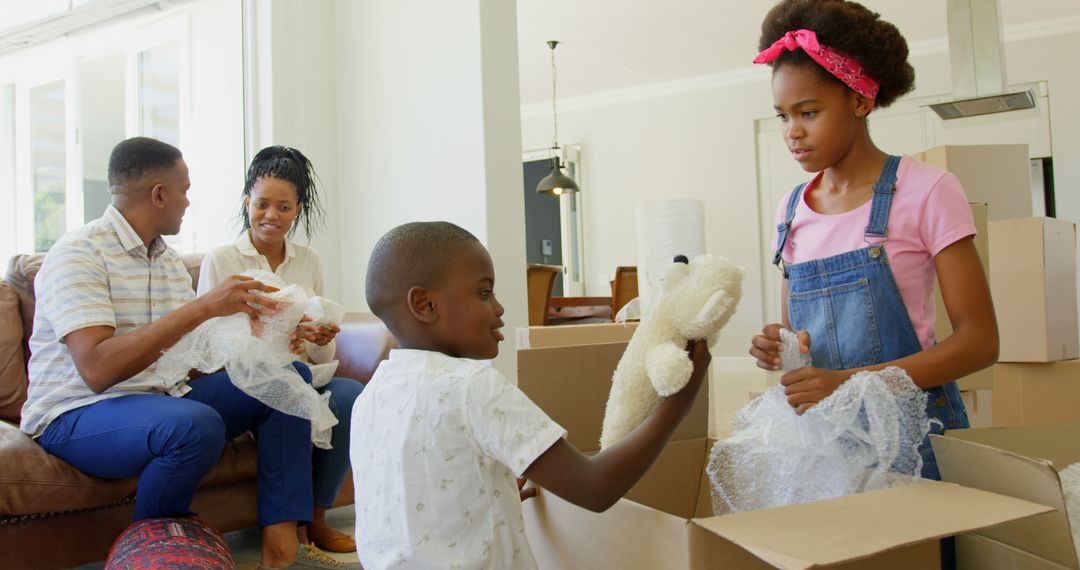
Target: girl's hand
{"points": [[807, 386], [766, 346]]}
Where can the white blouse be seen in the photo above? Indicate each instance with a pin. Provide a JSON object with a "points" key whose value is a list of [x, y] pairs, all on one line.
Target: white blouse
{"points": [[302, 266]]}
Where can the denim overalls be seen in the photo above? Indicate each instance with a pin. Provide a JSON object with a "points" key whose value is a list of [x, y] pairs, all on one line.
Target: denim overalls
{"points": [[852, 308]]}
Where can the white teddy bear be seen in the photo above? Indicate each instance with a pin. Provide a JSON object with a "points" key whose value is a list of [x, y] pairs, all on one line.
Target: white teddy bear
{"points": [[695, 301]]}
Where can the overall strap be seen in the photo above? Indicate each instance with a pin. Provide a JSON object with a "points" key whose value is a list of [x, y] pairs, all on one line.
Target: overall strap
{"points": [[783, 229], [882, 199]]}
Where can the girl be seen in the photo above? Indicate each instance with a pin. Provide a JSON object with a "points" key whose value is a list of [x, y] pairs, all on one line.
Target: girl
{"points": [[862, 242], [279, 196]]}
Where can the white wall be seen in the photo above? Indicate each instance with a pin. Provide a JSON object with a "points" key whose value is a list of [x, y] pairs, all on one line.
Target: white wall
{"points": [[214, 143], [700, 144], [295, 104], [428, 129]]}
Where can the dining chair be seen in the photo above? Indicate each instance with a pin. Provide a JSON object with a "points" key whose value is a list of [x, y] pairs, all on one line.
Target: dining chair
{"points": [[540, 279], [623, 288]]}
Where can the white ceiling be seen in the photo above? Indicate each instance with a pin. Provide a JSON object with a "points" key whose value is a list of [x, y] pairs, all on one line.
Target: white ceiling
{"points": [[607, 45]]}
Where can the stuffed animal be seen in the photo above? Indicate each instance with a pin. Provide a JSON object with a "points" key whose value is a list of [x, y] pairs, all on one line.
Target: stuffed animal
{"points": [[695, 300]]}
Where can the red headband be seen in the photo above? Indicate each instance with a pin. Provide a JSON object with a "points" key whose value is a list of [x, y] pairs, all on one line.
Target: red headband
{"points": [[843, 67]]}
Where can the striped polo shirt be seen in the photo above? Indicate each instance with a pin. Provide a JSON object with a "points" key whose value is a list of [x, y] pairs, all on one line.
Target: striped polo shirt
{"points": [[98, 275]]}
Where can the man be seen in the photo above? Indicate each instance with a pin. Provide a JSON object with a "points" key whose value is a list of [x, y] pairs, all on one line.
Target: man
{"points": [[94, 400]]}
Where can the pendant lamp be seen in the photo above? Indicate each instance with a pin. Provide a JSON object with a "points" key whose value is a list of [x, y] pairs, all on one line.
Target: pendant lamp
{"points": [[556, 183]]}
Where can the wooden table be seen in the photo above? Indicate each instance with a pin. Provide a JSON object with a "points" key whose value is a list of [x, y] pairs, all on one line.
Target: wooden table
{"points": [[566, 309]]}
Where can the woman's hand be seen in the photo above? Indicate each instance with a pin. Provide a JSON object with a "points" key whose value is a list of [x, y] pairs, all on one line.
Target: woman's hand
{"points": [[807, 386], [317, 334]]}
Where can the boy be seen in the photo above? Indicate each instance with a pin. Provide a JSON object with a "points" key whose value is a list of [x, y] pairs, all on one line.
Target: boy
{"points": [[438, 436]]}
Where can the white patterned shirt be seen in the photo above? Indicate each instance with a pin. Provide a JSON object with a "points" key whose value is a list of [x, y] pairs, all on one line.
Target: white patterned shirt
{"points": [[436, 444], [98, 275], [302, 267]]}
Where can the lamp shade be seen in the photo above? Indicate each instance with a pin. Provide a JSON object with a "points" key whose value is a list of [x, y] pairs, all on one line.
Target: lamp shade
{"points": [[556, 183]]}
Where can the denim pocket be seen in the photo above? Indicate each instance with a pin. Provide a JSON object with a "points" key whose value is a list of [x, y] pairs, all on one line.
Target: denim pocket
{"points": [[842, 322]]}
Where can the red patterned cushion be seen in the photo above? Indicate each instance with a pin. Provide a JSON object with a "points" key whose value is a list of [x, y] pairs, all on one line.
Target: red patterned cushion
{"points": [[186, 542]]}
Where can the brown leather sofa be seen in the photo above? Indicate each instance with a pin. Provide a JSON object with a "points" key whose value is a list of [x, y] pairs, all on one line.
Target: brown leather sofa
{"points": [[54, 516]]}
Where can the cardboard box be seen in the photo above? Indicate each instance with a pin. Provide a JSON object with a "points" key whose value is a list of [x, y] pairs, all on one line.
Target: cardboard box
{"points": [[979, 405], [1036, 393], [995, 174], [1033, 282], [732, 383], [569, 335], [974, 552], [983, 379], [1021, 462], [572, 384], [666, 522]]}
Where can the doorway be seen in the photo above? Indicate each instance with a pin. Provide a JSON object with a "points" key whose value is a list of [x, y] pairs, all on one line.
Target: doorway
{"points": [[543, 221]]}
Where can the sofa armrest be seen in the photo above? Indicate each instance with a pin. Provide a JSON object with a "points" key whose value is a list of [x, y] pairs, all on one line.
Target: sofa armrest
{"points": [[364, 342]]}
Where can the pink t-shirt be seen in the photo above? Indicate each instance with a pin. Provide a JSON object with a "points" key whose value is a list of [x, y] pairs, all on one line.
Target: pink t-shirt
{"points": [[929, 213]]}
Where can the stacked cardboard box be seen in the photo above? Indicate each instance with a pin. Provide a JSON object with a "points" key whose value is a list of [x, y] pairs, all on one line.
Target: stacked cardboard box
{"points": [[1033, 281], [994, 174], [1031, 266], [666, 520], [1021, 462]]}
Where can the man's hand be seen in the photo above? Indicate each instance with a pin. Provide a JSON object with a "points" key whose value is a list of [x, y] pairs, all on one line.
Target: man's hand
{"points": [[237, 294]]}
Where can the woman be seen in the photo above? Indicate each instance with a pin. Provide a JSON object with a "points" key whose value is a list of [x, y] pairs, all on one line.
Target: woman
{"points": [[280, 196]]}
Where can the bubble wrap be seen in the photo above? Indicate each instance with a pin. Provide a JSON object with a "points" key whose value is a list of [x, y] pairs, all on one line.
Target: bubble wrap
{"points": [[257, 358], [1070, 485], [790, 356], [862, 437]]}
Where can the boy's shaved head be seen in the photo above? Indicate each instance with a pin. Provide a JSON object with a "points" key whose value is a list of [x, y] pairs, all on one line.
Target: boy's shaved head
{"points": [[410, 255]]}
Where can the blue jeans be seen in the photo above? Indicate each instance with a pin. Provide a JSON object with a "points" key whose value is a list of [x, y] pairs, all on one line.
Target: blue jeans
{"points": [[172, 443], [329, 466]]}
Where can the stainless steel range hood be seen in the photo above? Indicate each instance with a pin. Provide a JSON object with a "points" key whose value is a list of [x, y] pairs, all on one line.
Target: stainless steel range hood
{"points": [[977, 55]]}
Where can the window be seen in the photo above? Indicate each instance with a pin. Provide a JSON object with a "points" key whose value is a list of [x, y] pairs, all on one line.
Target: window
{"points": [[48, 155], [7, 170], [159, 93], [66, 100], [101, 103]]}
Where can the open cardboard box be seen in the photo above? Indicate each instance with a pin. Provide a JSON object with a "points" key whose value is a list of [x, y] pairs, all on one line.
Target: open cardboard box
{"points": [[570, 335], [1021, 462], [666, 520], [572, 383]]}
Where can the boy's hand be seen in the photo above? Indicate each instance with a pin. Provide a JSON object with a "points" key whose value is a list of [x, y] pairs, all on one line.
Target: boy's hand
{"points": [[700, 356], [526, 493]]}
